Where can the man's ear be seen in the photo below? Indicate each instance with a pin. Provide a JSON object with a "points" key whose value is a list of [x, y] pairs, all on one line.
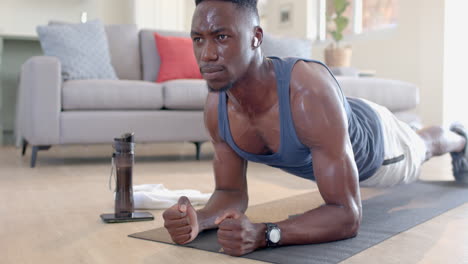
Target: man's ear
{"points": [[258, 37]]}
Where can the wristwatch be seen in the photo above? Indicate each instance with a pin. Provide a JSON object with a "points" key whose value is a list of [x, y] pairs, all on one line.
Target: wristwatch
{"points": [[272, 234]]}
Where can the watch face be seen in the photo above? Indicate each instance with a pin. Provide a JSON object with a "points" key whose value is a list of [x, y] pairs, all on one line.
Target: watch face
{"points": [[275, 235]]}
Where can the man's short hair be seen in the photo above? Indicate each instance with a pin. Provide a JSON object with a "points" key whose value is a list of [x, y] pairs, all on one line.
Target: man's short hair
{"points": [[251, 5]]}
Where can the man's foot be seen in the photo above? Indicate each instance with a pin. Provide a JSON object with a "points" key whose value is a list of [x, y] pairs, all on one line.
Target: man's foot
{"points": [[460, 159]]}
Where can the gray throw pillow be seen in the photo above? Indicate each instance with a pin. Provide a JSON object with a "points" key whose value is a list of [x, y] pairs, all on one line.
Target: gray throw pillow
{"points": [[81, 48]]}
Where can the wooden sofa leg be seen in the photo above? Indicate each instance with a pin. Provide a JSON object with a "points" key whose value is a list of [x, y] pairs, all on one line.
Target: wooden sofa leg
{"points": [[25, 146], [198, 147], [35, 149]]}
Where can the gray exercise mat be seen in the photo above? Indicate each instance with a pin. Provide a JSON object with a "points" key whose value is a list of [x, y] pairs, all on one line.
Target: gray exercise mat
{"points": [[385, 214]]}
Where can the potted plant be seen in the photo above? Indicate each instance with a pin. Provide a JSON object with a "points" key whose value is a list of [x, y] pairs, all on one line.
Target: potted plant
{"points": [[336, 54]]}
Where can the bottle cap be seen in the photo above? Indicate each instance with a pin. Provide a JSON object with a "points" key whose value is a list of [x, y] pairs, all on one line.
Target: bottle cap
{"points": [[124, 143]]}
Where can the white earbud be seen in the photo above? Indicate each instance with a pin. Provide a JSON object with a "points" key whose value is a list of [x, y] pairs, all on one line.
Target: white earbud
{"points": [[255, 42]]}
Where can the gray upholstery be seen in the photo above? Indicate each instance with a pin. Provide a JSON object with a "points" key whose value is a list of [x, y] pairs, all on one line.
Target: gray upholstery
{"points": [[149, 126], [393, 94], [39, 100], [124, 48], [286, 47], [111, 95], [150, 56], [185, 94], [82, 48]]}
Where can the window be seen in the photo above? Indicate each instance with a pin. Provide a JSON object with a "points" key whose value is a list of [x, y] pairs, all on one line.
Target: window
{"points": [[378, 14], [363, 15], [330, 8]]}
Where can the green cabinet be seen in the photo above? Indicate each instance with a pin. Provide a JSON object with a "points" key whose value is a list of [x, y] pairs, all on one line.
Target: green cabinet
{"points": [[14, 51]]}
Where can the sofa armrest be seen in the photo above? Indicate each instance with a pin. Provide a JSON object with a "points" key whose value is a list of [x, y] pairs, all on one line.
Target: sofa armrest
{"points": [[39, 101], [393, 94]]}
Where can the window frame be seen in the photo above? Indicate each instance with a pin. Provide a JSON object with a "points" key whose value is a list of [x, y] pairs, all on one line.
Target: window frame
{"points": [[357, 22]]}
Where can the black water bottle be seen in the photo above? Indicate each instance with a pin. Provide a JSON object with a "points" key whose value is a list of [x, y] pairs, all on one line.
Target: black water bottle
{"points": [[123, 160]]}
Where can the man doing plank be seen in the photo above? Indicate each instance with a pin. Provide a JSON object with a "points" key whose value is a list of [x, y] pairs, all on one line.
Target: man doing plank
{"points": [[291, 114]]}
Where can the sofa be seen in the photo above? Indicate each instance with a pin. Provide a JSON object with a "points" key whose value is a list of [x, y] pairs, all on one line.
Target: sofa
{"points": [[51, 111]]}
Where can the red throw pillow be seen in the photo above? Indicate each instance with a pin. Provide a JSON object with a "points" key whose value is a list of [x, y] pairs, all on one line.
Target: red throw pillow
{"points": [[177, 59]]}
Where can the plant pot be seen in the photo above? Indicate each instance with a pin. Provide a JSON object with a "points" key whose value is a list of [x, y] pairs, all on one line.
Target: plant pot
{"points": [[338, 56]]}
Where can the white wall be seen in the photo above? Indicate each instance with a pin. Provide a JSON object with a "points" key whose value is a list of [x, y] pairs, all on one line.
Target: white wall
{"points": [[456, 57], [164, 14], [431, 60], [189, 9], [115, 11], [20, 17], [298, 25]]}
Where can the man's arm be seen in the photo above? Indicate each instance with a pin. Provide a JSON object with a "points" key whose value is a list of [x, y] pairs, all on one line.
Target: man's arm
{"points": [[321, 124], [229, 171], [181, 220]]}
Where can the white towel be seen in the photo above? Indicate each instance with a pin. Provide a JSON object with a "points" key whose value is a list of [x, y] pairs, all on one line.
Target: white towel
{"points": [[156, 196]]}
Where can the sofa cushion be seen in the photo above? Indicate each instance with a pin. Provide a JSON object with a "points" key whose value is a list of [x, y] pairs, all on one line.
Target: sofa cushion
{"points": [[149, 54], [81, 48], [111, 95], [124, 48], [286, 47], [177, 58], [393, 94], [185, 94]]}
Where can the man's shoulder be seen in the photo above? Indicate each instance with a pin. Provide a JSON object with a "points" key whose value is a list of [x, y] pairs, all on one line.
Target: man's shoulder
{"points": [[312, 80], [316, 99]]}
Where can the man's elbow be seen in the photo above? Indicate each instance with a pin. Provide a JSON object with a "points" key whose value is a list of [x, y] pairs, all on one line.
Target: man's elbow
{"points": [[354, 229], [352, 224]]}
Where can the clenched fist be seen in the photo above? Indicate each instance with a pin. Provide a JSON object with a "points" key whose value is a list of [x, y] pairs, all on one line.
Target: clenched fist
{"points": [[181, 221], [237, 235]]}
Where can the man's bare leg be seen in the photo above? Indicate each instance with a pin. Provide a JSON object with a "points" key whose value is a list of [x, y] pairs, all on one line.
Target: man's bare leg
{"points": [[440, 141], [454, 141]]}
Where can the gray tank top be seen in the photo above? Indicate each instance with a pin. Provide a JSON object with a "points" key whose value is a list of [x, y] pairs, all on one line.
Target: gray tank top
{"points": [[364, 129]]}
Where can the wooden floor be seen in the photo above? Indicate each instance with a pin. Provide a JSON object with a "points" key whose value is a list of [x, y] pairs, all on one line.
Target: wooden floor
{"points": [[50, 214]]}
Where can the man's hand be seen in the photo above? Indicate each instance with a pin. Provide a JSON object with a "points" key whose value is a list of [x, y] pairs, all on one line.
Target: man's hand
{"points": [[181, 221], [237, 235]]}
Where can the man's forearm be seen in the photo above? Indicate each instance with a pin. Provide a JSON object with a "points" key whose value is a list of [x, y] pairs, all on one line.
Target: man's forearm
{"points": [[323, 224], [218, 203]]}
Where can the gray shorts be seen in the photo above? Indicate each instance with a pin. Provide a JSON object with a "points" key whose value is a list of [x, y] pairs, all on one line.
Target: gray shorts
{"points": [[404, 152]]}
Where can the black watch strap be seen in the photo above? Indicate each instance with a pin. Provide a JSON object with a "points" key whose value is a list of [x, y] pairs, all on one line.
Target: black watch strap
{"points": [[269, 228]]}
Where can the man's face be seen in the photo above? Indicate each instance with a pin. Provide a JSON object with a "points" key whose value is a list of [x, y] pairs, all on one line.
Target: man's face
{"points": [[222, 36]]}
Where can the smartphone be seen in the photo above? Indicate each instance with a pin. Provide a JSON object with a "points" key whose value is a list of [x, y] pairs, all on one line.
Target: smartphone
{"points": [[133, 217]]}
